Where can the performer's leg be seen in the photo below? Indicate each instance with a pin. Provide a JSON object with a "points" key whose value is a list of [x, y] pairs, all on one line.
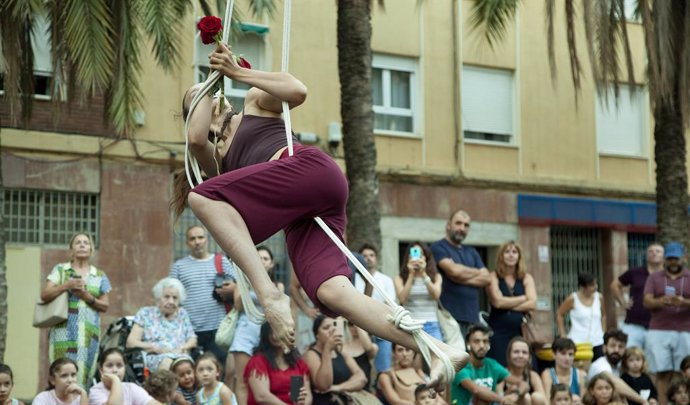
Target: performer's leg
{"points": [[339, 295], [229, 230]]}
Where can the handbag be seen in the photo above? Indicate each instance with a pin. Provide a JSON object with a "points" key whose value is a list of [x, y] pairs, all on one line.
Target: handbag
{"points": [[527, 330], [226, 330], [49, 314], [360, 397], [450, 329]]}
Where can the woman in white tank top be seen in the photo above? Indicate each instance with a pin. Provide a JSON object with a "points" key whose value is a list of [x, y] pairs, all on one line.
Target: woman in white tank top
{"points": [[587, 314]]}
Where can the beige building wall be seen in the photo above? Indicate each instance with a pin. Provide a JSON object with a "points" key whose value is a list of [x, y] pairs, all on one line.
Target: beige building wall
{"points": [[23, 287]]}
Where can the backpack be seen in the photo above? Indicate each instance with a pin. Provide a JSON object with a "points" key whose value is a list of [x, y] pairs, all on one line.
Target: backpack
{"points": [[116, 337]]}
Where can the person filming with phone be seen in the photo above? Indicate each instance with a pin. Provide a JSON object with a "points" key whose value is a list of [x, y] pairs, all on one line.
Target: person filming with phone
{"points": [[275, 377], [418, 287], [335, 375]]}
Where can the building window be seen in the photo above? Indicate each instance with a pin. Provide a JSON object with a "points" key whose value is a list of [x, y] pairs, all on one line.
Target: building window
{"points": [[394, 91], [251, 44], [622, 122], [50, 217], [43, 67], [488, 105]]}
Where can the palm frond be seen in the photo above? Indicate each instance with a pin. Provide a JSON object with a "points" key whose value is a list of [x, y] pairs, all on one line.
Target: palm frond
{"points": [[16, 24], [261, 8], [161, 23], [588, 20], [89, 37], [665, 26], [549, 11], [124, 96], [493, 16], [648, 27], [623, 26], [575, 68]]}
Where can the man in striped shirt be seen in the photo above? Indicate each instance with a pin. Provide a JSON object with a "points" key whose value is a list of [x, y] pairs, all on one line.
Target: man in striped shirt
{"points": [[198, 274]]}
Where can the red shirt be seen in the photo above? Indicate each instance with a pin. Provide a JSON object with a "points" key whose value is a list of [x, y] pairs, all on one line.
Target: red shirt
{"points": [[279, 380]]}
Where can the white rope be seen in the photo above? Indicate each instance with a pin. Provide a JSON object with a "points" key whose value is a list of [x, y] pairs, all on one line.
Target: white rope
{"points": [[287, 14]]}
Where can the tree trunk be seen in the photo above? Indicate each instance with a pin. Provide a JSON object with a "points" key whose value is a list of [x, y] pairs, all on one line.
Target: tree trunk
{"points": [[669, 147], [3, 278], [354, 67], [671, 174]]}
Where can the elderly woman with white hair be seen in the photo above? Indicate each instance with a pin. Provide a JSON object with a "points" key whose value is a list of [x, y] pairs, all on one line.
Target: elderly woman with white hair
{"points": [[164, 332]]}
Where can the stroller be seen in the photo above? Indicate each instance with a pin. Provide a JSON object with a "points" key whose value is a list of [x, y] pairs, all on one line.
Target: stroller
{"points": [[116, 337]]}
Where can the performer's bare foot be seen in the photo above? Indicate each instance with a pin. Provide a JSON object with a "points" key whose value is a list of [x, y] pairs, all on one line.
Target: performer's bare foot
{"points": [[278, 314], [437, 376]]}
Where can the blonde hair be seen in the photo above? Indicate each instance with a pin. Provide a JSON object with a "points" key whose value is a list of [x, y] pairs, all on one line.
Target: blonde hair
{"points": [[88, 236], [501, 267], [632, 352]]}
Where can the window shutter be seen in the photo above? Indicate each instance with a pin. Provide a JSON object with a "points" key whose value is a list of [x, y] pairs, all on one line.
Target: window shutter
{"points": [[487, 100], [620, 128]]}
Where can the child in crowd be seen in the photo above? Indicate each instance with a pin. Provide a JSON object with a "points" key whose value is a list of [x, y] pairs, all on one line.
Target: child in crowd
{"points": [[423, 396], [6, 385], [600, 391], [685, 367], [561, 395], [634, 370], [162, 386], [183, 367], [111, 390], [63, 388], [678, 392], [212, 391], [564, 371]]}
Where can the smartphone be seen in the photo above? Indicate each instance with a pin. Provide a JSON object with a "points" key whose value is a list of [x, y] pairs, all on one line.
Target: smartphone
{"points": [[339, 326], [670, 290], [296, 383], [415, 253]]}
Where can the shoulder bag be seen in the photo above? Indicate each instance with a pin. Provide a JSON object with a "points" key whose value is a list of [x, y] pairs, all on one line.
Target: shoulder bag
{"points": [[450, 329], [49, 314]]}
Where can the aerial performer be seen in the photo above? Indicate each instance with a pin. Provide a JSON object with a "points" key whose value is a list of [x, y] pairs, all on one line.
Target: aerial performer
{"points": [[256, 188]]}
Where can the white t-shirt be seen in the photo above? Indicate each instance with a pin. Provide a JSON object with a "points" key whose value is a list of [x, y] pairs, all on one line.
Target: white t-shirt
{"points": [[49, 398], [132, 394], [599, 366], [385, 282]]}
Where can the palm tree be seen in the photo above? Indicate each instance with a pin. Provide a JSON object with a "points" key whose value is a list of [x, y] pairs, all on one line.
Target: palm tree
{"points": [[666, 26], [356, 110]]}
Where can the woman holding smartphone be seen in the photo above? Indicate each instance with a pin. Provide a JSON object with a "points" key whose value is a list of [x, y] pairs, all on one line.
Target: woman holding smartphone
{"points": [[418, 287], [275, 377]]}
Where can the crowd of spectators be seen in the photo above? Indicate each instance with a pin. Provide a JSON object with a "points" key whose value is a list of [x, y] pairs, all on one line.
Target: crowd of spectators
{"points": [[646, 361]]}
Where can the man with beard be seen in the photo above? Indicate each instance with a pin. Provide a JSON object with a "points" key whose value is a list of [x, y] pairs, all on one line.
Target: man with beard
{"points": [[614, 348], [667, 296], [462, 270], [476, 383], [636, 315]]}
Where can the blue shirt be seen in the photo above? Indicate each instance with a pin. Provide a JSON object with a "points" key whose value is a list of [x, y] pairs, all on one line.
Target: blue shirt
{"points": [[461, 300]]}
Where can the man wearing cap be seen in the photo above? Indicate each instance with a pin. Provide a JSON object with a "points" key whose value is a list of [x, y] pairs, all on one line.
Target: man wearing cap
{"points": [[667, 297], [636, 315]]}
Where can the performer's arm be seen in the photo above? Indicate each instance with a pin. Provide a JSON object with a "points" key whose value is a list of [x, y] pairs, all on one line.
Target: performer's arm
{"points": [[199, 127], [272, 88]]}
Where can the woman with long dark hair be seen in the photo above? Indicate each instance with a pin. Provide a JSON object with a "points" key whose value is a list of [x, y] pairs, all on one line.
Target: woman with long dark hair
{"points": [[418, 286], [269, 371], [512, 295]]}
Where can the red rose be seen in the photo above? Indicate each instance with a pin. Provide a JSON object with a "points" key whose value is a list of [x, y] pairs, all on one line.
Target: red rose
{"points": [[209, 27], [243, 63]]}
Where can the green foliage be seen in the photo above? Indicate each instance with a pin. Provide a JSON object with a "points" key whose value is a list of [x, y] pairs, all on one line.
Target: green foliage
{"points": [[493, 16]]}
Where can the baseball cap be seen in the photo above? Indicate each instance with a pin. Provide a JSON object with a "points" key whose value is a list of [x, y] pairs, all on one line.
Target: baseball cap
{"points": [[674, 249]]}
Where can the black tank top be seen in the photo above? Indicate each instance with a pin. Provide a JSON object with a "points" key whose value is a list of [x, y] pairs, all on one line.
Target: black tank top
{"points": [[256, 140]]}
